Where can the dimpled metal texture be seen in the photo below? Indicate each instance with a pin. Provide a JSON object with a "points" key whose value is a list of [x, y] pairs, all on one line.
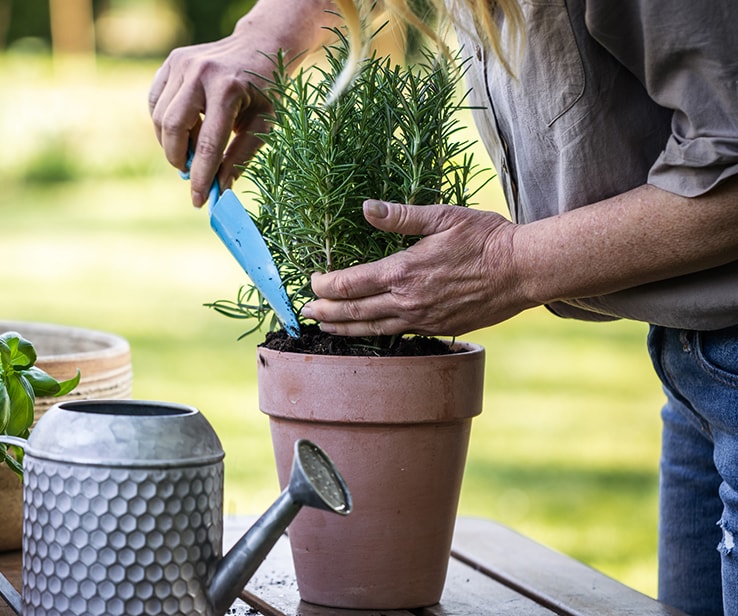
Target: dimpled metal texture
{"points": [[120, 541]]}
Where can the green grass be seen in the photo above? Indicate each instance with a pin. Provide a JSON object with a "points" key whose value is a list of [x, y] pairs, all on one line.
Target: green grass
{"points": [[97, 232]]}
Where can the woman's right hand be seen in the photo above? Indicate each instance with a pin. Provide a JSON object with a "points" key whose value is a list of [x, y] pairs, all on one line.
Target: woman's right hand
{"points": [[208, 95]]}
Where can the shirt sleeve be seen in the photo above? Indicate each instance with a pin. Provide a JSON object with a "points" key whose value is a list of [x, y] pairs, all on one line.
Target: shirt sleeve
{"points": [[685, 53]]}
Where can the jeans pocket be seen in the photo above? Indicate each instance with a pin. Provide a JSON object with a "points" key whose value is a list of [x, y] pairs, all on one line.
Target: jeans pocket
{"points": [[717, 353]]}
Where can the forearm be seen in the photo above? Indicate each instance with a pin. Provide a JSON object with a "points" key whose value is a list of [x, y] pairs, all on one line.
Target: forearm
{"points": [[302, 25], [637, 237]]}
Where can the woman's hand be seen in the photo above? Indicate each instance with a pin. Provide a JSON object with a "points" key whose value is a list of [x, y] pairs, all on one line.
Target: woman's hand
{"points": [[200, 95], [459, 277], [475, 269], [208, 95]]}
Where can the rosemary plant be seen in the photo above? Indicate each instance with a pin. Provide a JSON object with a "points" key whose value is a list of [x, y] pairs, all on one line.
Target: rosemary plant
{"points": [[392, 135]]}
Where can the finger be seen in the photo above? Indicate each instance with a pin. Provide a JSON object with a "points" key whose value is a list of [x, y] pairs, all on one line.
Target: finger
{"points": [[158, 84], [372, 308], [160, 105], [409, 219], [180, 117], [383, 327], [362, 280], [213, 136], [240, 151]]}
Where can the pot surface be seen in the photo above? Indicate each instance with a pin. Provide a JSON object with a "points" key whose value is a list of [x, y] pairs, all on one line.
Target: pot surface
{"points": [[398, 428]]}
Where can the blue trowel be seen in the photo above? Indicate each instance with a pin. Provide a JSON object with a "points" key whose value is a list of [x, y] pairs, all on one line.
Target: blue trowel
{"points": [[234, 226]]}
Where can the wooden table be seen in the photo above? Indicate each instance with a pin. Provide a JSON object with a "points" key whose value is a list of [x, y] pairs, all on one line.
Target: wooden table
{"points": [[493, 571]]}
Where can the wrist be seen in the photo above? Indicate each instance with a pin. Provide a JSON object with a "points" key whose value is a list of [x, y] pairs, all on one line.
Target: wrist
{"points": [[533, 283], [511, 280], [295, 26]]}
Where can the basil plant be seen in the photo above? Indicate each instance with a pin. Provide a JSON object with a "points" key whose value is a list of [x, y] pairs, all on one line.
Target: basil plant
{"points": [[20, 383]]}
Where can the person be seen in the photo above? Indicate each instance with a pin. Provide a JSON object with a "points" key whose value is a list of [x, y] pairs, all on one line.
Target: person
{"points": [[614, 131]]}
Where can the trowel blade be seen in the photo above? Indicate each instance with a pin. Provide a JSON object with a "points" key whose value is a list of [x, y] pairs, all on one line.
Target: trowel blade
{"points": [[234, 226]]}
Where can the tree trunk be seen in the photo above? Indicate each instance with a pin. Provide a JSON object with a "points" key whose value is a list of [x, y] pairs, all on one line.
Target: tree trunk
{"points": [[5, 12], [72, 27]]}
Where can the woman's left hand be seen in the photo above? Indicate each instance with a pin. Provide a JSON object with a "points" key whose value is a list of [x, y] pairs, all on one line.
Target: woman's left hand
{"points": [[459, 277]]}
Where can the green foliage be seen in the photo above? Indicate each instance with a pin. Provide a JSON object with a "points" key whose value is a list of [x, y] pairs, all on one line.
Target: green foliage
{"points": [[392, 135], [213, 19], [20, 383], [206, 21], [53, 164]]}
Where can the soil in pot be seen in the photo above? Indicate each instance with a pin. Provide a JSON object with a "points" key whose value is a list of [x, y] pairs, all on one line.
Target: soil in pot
{"points": [[314, 341]]}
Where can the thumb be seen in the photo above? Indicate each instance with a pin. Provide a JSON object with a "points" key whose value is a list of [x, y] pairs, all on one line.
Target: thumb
{"points": [[241, 149], [408, 219]]}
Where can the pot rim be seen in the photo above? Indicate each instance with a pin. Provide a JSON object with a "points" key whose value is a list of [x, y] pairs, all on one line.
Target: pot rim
{"points": [[110, 344], [470, 349], [337, 389]]}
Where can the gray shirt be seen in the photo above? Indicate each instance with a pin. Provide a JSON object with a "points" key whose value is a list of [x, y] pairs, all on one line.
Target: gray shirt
{"points": [[609, 95]]}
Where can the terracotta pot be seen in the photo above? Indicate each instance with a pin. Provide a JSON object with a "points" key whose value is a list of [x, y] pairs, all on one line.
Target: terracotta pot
{"points": [[398, 430], [104, 361]]}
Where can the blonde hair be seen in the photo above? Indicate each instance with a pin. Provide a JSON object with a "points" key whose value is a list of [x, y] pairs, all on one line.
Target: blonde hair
{"points": [[484, 12]]}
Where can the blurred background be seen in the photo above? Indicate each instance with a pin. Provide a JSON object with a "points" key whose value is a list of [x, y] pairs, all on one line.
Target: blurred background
{"points": [[97, 231]]}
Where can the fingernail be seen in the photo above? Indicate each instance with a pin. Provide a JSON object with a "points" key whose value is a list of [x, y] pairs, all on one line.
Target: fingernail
{"points": [[328, 328], [307, 312], [375, 209]]}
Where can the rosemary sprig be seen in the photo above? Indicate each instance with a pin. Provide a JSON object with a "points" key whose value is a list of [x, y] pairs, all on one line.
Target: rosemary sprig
{"points": [[392, 135]]}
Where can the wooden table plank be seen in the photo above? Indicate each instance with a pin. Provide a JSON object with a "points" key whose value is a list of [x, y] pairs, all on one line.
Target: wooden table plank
{"points": [[494, 571], [471, 593], [273, 590], [550, 578]]}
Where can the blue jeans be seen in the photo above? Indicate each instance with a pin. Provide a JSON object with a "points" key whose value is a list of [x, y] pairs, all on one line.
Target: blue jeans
{"points": [[698, 523]]}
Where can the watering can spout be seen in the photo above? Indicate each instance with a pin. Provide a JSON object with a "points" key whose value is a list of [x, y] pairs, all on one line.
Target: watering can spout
{"points": [[314, 482]]}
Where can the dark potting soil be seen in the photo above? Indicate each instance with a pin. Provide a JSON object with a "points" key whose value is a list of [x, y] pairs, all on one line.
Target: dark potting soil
{"points": [[313, 340]]}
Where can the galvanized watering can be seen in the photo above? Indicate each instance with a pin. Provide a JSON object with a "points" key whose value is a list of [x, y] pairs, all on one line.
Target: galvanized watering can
{"points": [[123, 512]]}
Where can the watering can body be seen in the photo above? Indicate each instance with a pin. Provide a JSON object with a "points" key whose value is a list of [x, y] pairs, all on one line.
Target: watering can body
{"points": [[123, 513]]}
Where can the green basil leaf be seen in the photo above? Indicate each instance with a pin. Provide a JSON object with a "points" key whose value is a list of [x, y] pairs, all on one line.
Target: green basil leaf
{"points": [[66, 386], [43, 384], [5, 356], [22, 353], [21, 404]]}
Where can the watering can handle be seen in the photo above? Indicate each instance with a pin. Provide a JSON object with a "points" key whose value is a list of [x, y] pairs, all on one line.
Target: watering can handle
{"points": [[13, 440]]}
